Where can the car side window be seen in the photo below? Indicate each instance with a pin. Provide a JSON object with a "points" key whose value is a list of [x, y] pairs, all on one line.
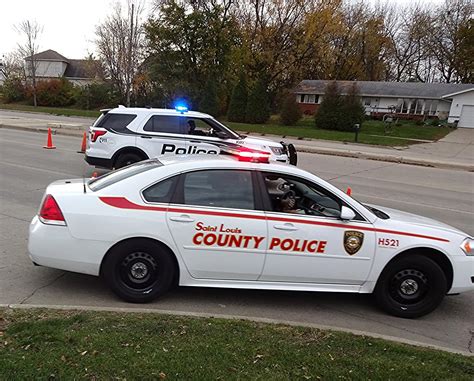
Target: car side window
{"points": [[219, 188], [161, 192], [289, 194], [163, 123]]}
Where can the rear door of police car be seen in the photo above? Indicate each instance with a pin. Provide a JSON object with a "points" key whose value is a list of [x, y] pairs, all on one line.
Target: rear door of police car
{"points": [[308, 242], [217, 224], [162, 135]]}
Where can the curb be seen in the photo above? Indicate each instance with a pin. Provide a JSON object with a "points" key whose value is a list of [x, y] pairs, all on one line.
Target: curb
{"points": [[232, 317], [67, 130]]}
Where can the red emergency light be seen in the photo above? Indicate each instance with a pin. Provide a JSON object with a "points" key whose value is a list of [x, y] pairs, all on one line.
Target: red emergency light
{"points": [[250, 155]]}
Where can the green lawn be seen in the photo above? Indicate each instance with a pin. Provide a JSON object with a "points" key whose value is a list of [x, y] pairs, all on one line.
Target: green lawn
{"points": [[46, 344], [50, 110], [372, 131]]}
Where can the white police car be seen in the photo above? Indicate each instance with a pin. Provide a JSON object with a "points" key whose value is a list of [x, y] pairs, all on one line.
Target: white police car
{"points": [[123, 136], [235, 223]]}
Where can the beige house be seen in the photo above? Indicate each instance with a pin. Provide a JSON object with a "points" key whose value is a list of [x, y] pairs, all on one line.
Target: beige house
{"points": [[408, 100], [50, 64]]}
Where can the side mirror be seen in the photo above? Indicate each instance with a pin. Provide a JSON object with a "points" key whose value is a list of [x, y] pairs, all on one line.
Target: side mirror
{"points": [[347, 214]]}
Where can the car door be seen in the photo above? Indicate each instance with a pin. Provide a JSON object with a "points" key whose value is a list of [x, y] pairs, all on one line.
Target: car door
{"points": [[217, 226], [162, 135], [308, 242]]}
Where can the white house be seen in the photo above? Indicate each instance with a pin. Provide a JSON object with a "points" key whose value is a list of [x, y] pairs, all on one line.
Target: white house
{"points": [[408, 100], [51, 64]]}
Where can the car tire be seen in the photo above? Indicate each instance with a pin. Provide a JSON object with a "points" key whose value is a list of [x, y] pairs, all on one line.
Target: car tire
{"points": [[139, 271], [125, 159], [411, 287]]}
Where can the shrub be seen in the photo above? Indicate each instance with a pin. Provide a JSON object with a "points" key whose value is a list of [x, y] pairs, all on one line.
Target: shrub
{"points": [[55, 93], [258, 110], [352, 108], [238, 101], [13, 90], [96, 95], [290, 111]]}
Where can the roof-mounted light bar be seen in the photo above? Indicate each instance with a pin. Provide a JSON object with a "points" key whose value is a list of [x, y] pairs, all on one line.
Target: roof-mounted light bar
{"points": [[249, 155]]}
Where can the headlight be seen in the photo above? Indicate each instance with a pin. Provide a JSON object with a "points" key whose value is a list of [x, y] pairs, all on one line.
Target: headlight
{"points": [[468, 246], [277, 150]]}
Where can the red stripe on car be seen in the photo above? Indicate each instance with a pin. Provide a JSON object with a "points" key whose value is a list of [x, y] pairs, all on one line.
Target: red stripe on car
{"points": [[123, 203]]}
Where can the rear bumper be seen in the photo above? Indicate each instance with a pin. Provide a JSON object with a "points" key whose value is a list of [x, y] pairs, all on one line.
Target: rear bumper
{"points": [[463, 279], [53, 246], [99, 162]]}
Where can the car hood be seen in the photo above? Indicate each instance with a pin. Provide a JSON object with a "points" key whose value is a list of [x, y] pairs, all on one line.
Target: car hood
{"points": [[397, 216], [253, 142]]}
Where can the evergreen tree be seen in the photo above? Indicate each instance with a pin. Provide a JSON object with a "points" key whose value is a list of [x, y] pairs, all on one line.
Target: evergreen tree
{"points": [[209, 103], [290, 111], [329, 115], [353, 108], [238, 101], [258, 109]]}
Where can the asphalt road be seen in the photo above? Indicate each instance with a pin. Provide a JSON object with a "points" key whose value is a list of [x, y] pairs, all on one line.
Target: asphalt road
{"points": [[26, 169]]}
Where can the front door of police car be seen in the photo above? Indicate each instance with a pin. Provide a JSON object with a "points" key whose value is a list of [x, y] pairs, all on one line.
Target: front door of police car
{"points": [[307, 240], [216, 227]]}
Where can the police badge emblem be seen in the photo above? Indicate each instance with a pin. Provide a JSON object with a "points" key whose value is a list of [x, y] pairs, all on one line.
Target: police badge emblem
{"points": [[353, 241]]}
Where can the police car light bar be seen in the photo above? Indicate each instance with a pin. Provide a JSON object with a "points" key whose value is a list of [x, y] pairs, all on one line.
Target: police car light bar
{"points": [[249, 155], [182, 108]]}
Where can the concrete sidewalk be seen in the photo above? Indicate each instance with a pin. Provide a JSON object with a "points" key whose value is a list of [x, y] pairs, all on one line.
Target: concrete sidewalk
{"points": [[455, 151]]}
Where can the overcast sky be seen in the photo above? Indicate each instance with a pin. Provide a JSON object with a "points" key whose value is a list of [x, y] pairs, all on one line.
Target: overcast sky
{"points": [[68, 25]]}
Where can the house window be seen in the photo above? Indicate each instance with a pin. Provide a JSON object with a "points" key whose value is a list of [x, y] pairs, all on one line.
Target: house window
{"points": [[367, 101], [309, 98], [419, 106]]}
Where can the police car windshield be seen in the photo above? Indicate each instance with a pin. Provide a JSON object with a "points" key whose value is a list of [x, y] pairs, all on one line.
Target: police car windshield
{"points": [[219, 126], [123, 173]]}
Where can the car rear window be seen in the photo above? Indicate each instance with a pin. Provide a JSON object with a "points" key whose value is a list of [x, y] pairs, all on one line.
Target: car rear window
{"points": [[115, 122], [123, 173]]}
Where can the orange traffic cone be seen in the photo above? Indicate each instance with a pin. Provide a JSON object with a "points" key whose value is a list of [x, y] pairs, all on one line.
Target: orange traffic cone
{"points": [[83, 145], [49, 143], [349, 191]]}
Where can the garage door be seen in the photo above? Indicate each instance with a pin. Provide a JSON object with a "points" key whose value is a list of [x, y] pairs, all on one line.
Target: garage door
{"points": [[467, 117]]}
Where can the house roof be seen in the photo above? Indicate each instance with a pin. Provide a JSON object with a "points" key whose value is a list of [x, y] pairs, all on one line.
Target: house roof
{"points": [[387, 89], [82, 69], [48, 55]]}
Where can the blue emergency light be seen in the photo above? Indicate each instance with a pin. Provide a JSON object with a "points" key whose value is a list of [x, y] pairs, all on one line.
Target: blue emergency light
{"points": [[181, 107]]}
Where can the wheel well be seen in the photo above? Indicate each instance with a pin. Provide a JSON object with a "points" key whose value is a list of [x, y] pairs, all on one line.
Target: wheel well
{"points": [[154, 241], [125, 150], [437, 256]]}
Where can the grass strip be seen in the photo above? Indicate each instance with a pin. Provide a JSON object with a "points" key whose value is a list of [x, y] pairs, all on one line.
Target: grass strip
{"points": [[48, 344]]}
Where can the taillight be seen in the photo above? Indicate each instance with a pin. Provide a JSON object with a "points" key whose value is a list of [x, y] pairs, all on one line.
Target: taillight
{"points": [[95, 134], [50, 212]]}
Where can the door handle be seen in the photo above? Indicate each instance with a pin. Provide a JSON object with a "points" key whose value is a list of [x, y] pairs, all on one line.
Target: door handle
{"points": [[145, 137], [287, 226], [195, 141], [182, 218]]}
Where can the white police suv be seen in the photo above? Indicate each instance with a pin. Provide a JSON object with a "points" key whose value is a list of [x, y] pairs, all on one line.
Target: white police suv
{"points": [[122, 136], [240, 222]]}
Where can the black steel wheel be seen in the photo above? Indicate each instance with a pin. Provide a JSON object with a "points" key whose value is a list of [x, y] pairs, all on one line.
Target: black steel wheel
{"points": [[410, 287], [139, 271]]}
